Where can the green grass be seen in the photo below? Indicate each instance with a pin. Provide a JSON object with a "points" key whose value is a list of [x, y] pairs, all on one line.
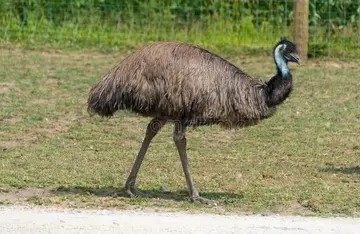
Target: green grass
{"points": [[303, 160], [222, 35], [239, 36], [228, 27]]}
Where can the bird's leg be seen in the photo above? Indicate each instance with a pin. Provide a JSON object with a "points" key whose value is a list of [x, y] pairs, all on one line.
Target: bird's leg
{"points": [[152, 129], [180, 141]]}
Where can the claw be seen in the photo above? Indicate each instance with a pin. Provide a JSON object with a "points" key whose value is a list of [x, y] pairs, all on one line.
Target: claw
{"points": [[134, 192], [202, 200]]}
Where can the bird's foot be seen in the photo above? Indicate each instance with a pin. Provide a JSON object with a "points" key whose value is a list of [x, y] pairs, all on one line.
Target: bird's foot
{"points": [[198, 199], [134, 192]]}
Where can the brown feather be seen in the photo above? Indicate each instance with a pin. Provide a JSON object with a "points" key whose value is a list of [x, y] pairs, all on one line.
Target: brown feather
{"points": [[178, 81]]}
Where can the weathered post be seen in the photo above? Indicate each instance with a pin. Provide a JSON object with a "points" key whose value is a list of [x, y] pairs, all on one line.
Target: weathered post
{"points": [[301, 26]]}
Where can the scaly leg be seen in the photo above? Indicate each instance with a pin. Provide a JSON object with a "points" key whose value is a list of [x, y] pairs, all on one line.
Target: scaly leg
{"points": [[180, 141], [152, 129]]}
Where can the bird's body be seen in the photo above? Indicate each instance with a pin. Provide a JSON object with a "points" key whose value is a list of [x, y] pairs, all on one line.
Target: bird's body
{"points": [[179, 81], [187, 85]]}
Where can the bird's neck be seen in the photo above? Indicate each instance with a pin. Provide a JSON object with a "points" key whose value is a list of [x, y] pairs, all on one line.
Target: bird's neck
{"points": [[279, 86], [281, 64]]}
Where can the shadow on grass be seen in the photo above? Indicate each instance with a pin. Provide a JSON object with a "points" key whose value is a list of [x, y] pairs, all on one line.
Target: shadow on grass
{"points": [[181, 195], [344, 170]]}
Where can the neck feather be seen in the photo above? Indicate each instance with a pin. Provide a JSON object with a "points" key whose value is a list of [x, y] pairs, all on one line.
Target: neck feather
{"points": [[278, 89], [281, 63], [280, 86]]}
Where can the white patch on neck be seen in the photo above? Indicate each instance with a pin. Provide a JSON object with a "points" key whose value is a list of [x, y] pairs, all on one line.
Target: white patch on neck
{"points": [[280, 60]]}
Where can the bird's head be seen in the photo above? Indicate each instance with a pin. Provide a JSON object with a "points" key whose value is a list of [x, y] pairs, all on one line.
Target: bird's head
{"points": [[287, 50]]}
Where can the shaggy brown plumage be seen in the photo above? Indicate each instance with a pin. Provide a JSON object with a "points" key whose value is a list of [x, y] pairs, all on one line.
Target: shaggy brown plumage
{"points": [[178, 82]]}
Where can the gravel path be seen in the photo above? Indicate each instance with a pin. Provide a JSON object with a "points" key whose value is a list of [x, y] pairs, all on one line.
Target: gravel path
{"points": [[26, 220]]}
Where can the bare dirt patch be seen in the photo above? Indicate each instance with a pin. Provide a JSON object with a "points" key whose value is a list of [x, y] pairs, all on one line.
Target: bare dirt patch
{"points": [[333, 64], [22, 195], [54, 127], [5, 87], [8, 144]]}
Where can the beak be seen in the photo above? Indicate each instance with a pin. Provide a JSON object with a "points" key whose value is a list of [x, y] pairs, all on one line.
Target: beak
{"points": [[293, 57]]}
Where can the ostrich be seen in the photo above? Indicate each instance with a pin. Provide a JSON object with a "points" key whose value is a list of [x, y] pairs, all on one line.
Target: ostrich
{"points": [[189, 86]]}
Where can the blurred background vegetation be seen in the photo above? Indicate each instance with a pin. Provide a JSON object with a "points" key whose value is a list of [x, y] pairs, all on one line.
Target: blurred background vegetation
{"points": [[230, 26]]}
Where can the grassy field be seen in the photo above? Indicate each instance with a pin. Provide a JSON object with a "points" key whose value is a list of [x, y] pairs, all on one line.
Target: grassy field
{"points": [[304, 160]]}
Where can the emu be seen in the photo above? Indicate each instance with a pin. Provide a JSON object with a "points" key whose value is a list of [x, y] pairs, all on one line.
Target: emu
{"points": [[189, 86]]}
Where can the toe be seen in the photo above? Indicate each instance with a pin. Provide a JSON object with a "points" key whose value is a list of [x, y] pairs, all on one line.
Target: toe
{"points": [[134, 192], [139, 193], [203, 201], [129, 192]]}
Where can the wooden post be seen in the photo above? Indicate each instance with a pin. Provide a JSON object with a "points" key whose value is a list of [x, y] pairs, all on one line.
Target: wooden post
{"points": [[301, 26]]}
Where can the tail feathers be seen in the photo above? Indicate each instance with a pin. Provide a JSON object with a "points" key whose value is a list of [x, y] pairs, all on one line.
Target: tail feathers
{"points": [[111, 94], [102, 100]]}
